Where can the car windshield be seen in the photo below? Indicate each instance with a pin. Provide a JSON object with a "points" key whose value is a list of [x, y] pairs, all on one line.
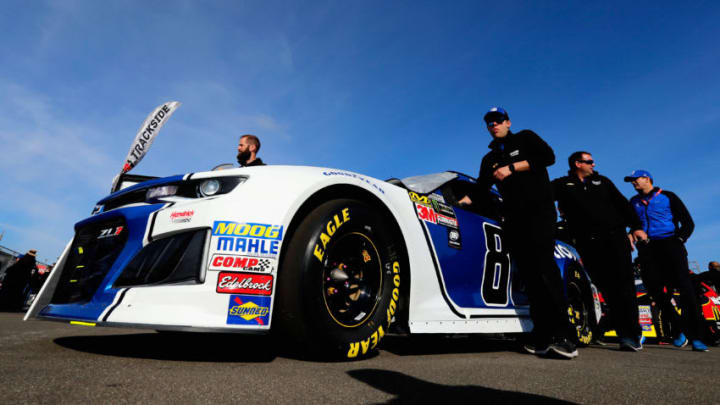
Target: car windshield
{"points": [[427, 183]]}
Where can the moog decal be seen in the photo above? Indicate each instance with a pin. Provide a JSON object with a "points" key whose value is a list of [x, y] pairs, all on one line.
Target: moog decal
{"points": [[254, 239]]}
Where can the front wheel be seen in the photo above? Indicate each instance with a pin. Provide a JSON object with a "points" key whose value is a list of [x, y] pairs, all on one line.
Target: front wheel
{"points": [[339, 282]]}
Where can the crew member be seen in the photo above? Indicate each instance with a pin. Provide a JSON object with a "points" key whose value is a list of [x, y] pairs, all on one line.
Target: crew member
{"points": [[712, 276], [248, 148], [517, 164], [597, 216], [663, 259]]}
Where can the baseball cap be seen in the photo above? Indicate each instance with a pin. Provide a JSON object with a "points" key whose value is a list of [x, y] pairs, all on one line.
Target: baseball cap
{"points": [[496, 112], [638, 173]]}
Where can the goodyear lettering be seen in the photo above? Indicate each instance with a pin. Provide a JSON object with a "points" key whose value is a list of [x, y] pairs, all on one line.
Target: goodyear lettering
{"points": [[330, 228], [362, 347], [355, 176]]}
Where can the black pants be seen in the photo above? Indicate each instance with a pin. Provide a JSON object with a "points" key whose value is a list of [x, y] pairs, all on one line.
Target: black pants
{"points": [[532, 245], [608, 261], [663, 263]]}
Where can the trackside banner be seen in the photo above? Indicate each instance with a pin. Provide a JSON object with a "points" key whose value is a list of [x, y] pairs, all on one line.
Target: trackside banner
{"points": [[147, 133]]}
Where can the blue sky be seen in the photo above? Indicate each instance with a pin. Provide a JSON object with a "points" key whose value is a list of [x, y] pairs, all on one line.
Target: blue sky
{"points": [[384, 88]]}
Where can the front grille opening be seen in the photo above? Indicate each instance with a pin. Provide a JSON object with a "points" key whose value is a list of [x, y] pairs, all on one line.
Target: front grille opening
{"points": [[168, 260], [94, 250]]}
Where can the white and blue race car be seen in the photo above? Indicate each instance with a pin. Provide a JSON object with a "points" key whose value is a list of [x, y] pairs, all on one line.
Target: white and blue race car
{"points": [[328, 258]]}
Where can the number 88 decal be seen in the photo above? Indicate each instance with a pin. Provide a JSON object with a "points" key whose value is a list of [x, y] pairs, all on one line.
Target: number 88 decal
{"points": [[496, 269]]}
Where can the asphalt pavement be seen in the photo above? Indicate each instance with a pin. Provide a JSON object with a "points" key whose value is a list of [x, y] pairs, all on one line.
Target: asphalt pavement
{"points": [[51, 362]]}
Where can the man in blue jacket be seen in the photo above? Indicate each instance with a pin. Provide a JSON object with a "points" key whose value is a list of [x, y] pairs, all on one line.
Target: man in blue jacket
{"points": [[663, 260]]}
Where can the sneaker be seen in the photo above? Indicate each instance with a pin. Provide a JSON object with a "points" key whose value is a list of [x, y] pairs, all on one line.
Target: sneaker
{"points": [[698, 346], [680, 340], [599, 341], [630, 345], [563, 348], [536, 349]]}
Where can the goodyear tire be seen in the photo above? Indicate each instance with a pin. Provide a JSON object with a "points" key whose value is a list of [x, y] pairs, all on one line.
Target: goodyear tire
{"points": [[339, 284], [581, 305]]}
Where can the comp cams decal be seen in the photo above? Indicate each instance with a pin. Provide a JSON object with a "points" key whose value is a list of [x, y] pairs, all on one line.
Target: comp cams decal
{"points": [[244, 283], [248, 310], [244, 263], [251, 239], [363, 346]]}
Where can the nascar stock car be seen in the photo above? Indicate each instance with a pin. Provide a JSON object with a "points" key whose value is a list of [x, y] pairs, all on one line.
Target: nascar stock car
{"points": [[656, 326], [328, 258]]}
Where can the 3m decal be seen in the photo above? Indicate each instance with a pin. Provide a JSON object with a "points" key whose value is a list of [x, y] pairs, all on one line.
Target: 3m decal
{"points": [[245, 263], [181, 216], [254, 239], [496, 270], [248, 310], [244, 283], [425, 213], [338, 220], [363, 346], [110, 232]]}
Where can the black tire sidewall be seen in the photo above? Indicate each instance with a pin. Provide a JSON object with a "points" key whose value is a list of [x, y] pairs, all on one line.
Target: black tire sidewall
{"points": [[322, 331]]}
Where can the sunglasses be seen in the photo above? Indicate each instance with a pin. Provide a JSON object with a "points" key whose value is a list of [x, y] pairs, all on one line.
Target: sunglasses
{"points": [[496, 121], [590, 161]]}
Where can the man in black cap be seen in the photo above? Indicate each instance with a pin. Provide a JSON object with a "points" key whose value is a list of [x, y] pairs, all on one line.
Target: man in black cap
{"points": [[248, 147], [663, 260], [517, 164], [597, 216], [711, 276]]}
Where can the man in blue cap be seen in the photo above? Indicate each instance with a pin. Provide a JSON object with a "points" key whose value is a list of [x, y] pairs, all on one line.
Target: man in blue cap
{"points": [[663, 259], [517, 164]]}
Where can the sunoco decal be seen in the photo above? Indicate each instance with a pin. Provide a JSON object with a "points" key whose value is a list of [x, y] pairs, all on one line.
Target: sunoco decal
{"points": [[248, 310], [251, 239], [244, 283]]}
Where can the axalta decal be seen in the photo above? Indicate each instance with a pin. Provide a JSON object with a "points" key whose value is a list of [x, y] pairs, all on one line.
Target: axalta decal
{"points": [[248, 310], [244, 283], [372, 341], [181, 216], [253, 239], [338, 220], [355, 176], [245, 263], [561, 251]]}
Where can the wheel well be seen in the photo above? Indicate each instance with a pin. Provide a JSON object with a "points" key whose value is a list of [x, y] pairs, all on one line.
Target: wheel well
{"points": [[349, 191]]}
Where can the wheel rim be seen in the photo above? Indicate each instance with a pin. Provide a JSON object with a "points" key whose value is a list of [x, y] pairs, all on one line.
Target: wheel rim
{"points": [[351, 279], [578, 311]]}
